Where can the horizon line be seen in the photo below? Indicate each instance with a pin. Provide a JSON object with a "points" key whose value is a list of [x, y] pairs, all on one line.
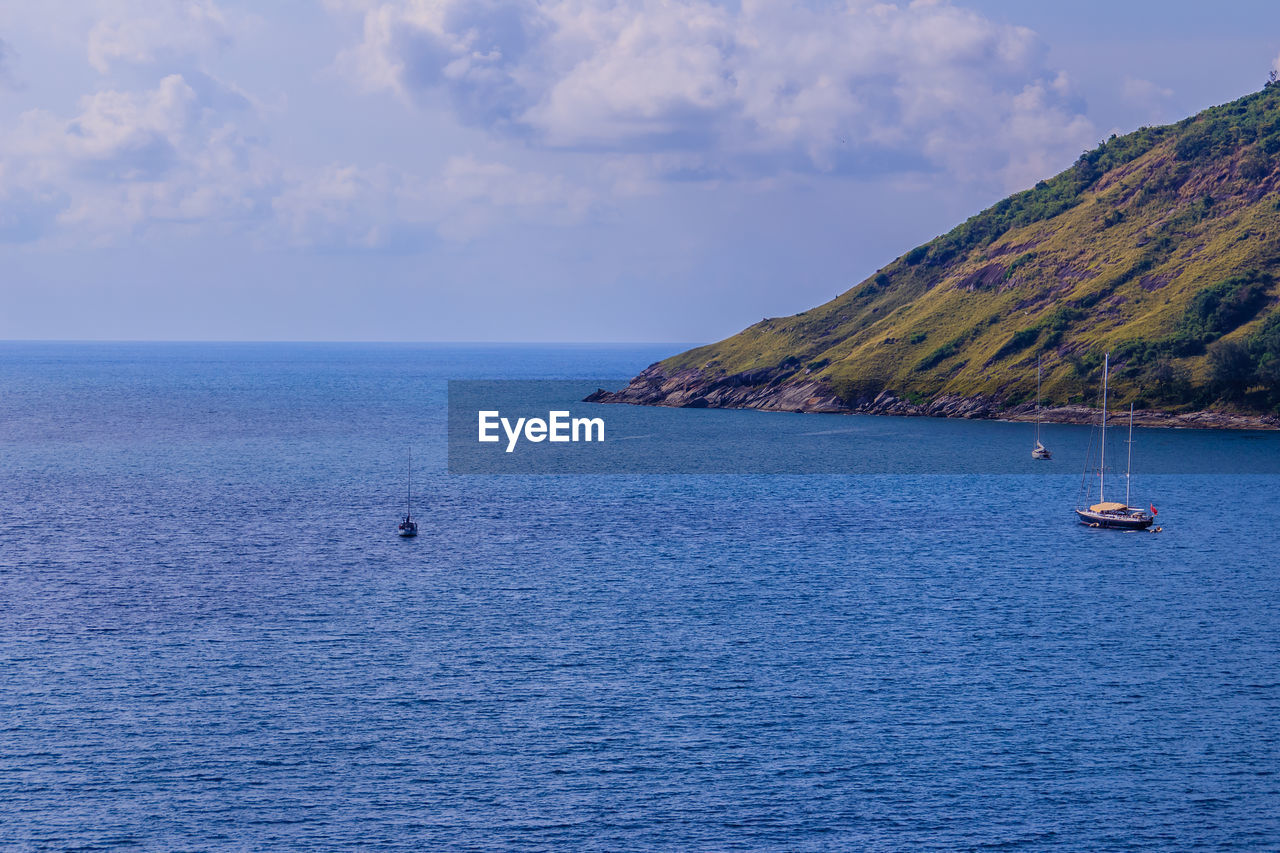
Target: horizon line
{"points": [[340, 341]]}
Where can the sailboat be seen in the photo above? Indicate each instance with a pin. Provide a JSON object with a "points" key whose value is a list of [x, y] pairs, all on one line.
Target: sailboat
{"points": [[408, 527], [1111, 513], [1039, 451]]}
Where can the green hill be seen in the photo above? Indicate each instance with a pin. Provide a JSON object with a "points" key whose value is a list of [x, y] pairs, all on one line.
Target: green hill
{"points": [[1161, 247]]}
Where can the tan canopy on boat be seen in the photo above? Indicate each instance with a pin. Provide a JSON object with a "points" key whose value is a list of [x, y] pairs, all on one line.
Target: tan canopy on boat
{"points": [[1109, 506]]}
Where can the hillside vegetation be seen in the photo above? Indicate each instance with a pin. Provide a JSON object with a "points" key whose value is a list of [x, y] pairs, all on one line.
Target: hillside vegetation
{"points": [[1161, 247]]}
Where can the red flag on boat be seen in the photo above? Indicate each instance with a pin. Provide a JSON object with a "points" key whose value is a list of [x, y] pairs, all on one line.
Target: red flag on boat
{"points": [[1153, 510]]}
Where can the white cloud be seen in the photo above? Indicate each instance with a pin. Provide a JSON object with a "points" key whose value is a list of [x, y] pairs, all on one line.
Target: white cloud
{"points": [[630, 95], [1143, 92], [186, 153], [751, 88], [132, 159], [350, 207], [474, 196], [145, 32], [186, 150], [343, 206]]}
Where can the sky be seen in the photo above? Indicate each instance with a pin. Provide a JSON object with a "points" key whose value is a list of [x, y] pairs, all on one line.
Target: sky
{"points": [[542, 170]]}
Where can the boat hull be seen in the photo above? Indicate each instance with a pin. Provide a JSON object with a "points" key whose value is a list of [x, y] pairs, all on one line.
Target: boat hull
{"points": [[1115, 520]]}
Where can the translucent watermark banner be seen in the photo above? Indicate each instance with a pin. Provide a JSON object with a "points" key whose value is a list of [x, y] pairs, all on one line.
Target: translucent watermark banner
{"points": [[544, 427]]}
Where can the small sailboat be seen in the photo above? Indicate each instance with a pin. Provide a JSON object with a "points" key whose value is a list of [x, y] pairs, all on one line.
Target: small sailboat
{"points": [[408, 527], [1039, 451], [1106, 513]]}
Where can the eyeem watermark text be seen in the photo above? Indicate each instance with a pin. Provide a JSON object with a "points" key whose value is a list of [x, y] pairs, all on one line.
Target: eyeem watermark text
{"points": [[559, 426]]}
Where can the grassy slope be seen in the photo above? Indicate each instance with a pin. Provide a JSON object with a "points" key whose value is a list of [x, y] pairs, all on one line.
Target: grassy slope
{"points": [[1114, 254]]}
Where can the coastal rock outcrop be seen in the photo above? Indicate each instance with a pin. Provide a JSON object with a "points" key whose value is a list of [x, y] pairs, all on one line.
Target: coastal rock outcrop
{"points": [[692, 389]]}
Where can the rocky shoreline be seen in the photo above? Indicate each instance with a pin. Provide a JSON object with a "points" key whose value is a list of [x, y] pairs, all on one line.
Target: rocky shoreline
{"points": [[767, 392]]}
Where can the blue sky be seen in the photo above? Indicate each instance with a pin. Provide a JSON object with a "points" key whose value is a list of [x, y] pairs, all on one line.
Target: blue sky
{"points": [[568, 170]]}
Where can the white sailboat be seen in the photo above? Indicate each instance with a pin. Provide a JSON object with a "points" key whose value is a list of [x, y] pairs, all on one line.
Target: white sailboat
{"points": [[1106, 513], [408, 527], [1039, 451]]}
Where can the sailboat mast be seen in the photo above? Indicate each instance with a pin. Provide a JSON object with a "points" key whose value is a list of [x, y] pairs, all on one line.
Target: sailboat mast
{"points": [[1102, 457], [408, 494], [1128, 465], [1037, 401]]}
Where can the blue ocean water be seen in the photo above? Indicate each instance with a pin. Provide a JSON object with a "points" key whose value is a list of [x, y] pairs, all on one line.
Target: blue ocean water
{"points": [[210, 638]]}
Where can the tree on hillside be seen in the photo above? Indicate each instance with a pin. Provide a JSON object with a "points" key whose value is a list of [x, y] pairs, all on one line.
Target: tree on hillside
{"points": [[1231, 368]]}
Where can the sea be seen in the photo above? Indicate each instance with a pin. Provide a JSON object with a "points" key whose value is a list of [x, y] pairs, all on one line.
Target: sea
{"points": [[212, 639]]}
